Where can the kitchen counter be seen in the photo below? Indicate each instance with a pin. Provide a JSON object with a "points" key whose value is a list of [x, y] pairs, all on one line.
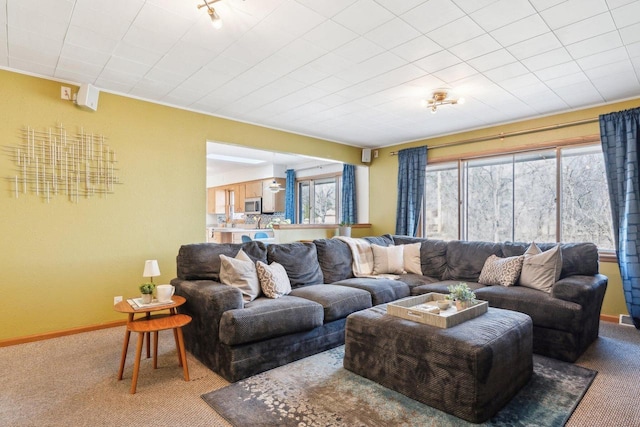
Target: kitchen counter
{"points": [[234, 234]]}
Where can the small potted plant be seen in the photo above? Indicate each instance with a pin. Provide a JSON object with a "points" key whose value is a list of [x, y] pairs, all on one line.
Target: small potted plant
{"points": [[146, 289], [344, 229], [462, 295]]}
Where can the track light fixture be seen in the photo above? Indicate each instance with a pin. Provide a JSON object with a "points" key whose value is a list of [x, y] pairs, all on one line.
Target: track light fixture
{"points": [[439, 97], [215, 18]]}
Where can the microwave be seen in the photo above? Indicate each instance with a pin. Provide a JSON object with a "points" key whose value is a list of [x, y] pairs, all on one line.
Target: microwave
{"points": [[253, 205]]}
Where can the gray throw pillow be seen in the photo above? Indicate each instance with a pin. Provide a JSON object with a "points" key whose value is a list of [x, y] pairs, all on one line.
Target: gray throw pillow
{"points": [[541, 270], [241, 273]]}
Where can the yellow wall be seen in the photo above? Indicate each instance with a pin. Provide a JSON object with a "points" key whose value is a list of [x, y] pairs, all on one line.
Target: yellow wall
{"points": [[62, 263], [384, 169]]}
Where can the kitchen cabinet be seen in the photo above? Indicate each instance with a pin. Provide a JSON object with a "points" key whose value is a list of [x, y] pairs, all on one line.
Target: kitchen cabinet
{"points": [[239, 192], [273, 202], [216, 200], [253, 189]]}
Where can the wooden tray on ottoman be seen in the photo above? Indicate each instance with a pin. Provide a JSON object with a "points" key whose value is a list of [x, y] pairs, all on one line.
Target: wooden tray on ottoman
{"points": [[409, 309]]}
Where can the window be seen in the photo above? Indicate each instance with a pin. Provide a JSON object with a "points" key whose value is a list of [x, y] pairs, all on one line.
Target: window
{"points": [[557, 194], [318, 200]]}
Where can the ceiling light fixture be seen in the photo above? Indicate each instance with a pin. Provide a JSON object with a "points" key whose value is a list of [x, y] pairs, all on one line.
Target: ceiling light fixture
{"points": [[438, 98], [274, 187], [215, 18]]}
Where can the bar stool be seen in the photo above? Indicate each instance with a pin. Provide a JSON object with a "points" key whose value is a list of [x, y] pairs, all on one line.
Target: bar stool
{"points": [[144, 326]]}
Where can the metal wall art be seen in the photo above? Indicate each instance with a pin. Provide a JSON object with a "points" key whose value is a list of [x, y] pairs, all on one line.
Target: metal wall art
{"points": [[50, 163]]}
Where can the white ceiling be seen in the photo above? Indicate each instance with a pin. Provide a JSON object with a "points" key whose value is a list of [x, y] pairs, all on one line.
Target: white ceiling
{"points": [[353, 71]]}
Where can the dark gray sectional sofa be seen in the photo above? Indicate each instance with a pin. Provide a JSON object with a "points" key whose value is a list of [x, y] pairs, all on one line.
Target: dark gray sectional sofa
{"points": [[238, 339]]}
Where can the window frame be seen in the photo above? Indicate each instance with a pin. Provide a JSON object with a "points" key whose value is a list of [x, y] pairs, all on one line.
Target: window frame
{"points": [[606, 255], [311, 180]]}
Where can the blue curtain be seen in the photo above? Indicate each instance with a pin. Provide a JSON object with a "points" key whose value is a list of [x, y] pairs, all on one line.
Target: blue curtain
{"points": [[619, 136], [290, 196], [349, 201], [412, 163]]}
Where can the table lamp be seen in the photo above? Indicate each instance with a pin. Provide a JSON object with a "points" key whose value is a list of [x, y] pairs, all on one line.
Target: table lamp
{"points": [[151, 269]]}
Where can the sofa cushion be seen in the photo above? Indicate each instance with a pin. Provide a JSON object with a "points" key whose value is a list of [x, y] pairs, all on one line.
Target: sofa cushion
{"points": [[546, 311], [273, 279], [300, 260], [201, 261], [265, 318], [388, 259], [501, 271], [338, 301], [413, 280], [442, 287], [466, 259], [335, 259], [384, 240], [381, 290], [541, 270], [432, 254], [241, 273], [577, 258]]}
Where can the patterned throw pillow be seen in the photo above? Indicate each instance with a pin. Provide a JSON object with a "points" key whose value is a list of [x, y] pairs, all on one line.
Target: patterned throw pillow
{"points": [[501, 271], [273, 279]]}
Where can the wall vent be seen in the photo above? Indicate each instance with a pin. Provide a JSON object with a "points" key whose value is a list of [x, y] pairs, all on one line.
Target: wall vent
{"points": [[625, 319]]}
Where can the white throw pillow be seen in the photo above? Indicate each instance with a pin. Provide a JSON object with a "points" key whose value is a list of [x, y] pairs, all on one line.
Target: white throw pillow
{"points": [[411, 258], [501, 271], [273, 279], [388, 259], [540, 270], [240, 272]]}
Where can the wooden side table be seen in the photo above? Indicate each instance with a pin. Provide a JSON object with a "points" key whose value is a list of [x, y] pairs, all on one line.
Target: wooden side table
{"points": [[156, 324], [124, 307]]}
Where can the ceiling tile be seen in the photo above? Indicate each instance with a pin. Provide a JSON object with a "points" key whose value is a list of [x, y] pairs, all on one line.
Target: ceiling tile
{"points": [[506, 72], [258, 44], [308, 74], [33, 47], [359, 50], [79, 67], [626, 15], [579, 94], [184, 59], [392, 34], [122, 9], [476, 47], [492, 60], [634, 49], [519, 31], [153, 18], [79, 53], [459, 31], [514, 84], [455, 72], [363, 16], [438, 61], [586, 29], [630, 34], [501, 13], [331, 64], [372, 67], [294, 18], [120, 77], [332, 84], [182, 97], [32, 67], [541, 5], [610, 69], [417, 48], [330, 35], [560, 70], [398, 7], [49, 21], [547, 59], [567, 80], [470, 6], [535, 46], [141, 55], [155, 41], [327, 8], [595, 45], [616, 86], [433, 14], [603, 58], [100, 23], [572, 11]]}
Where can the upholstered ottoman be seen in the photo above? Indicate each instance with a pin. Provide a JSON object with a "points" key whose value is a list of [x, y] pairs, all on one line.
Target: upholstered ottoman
{"points": [[470, 370]]}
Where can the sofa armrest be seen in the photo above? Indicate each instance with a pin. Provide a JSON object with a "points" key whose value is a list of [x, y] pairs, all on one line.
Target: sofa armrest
{"points": [[206, 301], [584, 290]]}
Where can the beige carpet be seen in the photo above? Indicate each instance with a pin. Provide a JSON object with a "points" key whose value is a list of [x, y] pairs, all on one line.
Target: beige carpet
{"points": [[71, 381]]}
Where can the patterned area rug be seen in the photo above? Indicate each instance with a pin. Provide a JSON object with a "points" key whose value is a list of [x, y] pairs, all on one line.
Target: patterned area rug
{"points": [[318, 391]]}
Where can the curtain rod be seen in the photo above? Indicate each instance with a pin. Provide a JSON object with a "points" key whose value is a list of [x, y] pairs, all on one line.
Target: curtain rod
{"points": [[508, 134]]}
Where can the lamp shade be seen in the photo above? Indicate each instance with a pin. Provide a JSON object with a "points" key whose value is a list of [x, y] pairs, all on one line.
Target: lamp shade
{"points": [[151, 268]]}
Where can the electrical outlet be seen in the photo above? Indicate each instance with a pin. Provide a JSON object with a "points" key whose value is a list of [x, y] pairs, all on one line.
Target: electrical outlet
{"points": [[117, 300], [65, 93]]}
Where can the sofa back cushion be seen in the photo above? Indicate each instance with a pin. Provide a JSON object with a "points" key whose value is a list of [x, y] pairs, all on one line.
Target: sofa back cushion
{"points": [[384, 240], [201, 261], [466, 259], [335, 259], [433, 260], [577, 258], [300, 261]]}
